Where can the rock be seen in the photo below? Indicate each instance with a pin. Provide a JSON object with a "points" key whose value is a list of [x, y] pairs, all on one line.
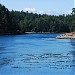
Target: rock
{"points": [[66, 36]]}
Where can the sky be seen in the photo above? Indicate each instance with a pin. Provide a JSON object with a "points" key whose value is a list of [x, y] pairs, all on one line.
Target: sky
{"points": [[55, 7]]}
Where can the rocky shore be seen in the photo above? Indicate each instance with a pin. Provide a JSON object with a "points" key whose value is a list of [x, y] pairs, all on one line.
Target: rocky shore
{"points": [[67, 36], [37, 32]]}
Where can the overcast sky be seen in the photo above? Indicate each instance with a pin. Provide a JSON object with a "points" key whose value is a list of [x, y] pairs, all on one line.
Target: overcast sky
{"points": [[40, 6]]}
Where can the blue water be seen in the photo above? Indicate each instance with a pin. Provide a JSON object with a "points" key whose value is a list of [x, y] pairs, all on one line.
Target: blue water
{"points": [[36, 54]]}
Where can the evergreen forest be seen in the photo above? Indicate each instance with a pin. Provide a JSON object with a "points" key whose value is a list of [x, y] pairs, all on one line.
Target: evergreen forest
{"points": [[19, 22]]}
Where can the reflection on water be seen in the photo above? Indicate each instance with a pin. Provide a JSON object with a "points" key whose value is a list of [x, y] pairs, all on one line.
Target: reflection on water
{"points": [[2, 48], [37, 54], [73, 55], [57, 61], [4, 61]]}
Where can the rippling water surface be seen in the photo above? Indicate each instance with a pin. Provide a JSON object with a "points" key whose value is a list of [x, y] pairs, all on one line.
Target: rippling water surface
{"points": [[36, 54]]}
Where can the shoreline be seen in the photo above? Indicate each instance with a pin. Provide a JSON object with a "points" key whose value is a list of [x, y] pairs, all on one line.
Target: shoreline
{"points": [[44, 33], [38, 32], [30, 33]]}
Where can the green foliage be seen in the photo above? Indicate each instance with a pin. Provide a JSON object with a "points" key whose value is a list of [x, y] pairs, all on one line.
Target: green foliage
{"points": [[73, 19], [16, 22]]}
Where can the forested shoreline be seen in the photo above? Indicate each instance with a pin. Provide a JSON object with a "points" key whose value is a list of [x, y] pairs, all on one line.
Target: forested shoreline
{"points": [[19, 22]]}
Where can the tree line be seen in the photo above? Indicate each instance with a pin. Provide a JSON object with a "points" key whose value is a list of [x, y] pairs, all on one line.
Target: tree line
{"points": [[19, 22]]}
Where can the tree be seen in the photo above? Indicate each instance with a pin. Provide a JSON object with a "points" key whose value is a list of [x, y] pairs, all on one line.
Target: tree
{"points": [[73, 19], [18, 22]]}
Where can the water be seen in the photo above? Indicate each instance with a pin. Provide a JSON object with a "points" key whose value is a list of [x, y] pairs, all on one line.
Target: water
{"points": [[36, 54]]}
